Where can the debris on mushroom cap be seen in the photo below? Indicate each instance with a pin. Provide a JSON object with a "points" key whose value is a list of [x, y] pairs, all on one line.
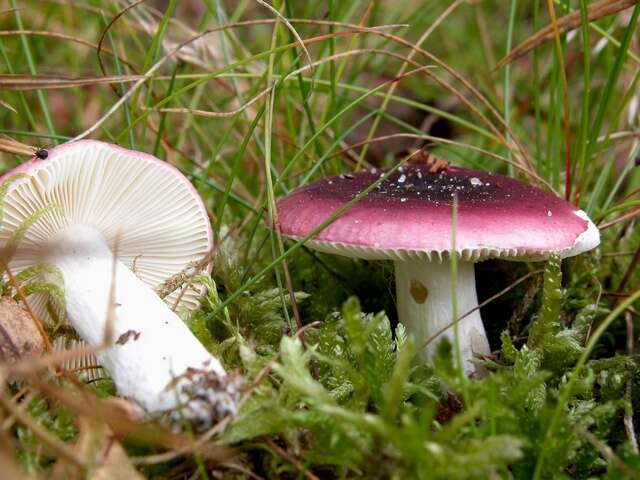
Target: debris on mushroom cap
{"points": [[409, 216], [433, 163]]}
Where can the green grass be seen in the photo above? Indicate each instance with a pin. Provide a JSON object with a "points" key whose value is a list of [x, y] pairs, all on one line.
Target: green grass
{"points": [[248, 120]]}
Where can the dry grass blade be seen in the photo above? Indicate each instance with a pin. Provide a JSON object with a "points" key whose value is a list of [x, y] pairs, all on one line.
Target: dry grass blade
{"points": [[50, 440], [196, 446], [112, 413], [28, 366], [58, 35], [294, 461], [173, 52], [105, 455], [565, 94], [293, 31], [520, 153], [8, 106], [436, 334], [9, 145], [46, 82], [10, 10], [625, 216], [446, 141], [8, 464], [606, 451], [103, 35], [571, 21], [628, 395], [263, 93], [630, 269]]}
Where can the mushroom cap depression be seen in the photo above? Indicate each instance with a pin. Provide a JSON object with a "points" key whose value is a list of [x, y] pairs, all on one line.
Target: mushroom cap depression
{"points": [[409, 216], [147, 211]]}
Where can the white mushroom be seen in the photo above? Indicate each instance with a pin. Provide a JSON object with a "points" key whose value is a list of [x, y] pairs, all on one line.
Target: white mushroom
{"points": [[111, 200]]}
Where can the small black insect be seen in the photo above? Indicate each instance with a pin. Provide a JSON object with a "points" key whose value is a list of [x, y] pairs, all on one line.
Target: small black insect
{"points": [[42, 154]]}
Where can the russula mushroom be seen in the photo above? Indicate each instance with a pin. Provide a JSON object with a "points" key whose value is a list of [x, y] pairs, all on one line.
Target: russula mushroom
{"points": [[407, 218], [108, 200]]}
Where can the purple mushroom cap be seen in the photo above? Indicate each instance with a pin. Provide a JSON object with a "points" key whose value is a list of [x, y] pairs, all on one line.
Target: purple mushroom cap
{"points": [[409, 215]]}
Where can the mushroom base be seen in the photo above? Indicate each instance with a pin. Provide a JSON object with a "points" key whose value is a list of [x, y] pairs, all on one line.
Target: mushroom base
{"points": [[424, 299], [151, 354]]}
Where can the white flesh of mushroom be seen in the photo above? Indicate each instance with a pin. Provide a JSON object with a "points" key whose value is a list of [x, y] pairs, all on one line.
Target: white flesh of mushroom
{"points": [[425, 307], [150, 347]]}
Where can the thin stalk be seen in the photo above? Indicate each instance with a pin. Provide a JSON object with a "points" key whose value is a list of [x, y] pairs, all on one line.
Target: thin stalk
{"points": [[235, 169], [304, 92], [336, 117], [610, 87], [26, 133], [507, 78], [277, 245], [536, 92], [163, 115], [23, 101], [297, 245], [32, 67], [393, 86], [586, 96], [453, 262], [152, 55], [565, 98]]}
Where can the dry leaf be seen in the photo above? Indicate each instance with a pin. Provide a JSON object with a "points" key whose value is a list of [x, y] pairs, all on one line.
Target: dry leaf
{"points": [[98, 444], [19, 337]]}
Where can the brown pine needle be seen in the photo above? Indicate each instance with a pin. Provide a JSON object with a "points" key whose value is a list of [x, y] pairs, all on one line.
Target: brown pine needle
{"points": [[46, 82], [9, 145]]}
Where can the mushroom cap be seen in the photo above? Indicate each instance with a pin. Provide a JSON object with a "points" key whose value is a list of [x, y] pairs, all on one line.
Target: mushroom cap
{"points": [[409, 216], [147, 211]]}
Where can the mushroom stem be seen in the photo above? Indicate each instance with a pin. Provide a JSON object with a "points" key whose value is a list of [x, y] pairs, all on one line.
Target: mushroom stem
{"points": [[424, 301], [151, 354]]}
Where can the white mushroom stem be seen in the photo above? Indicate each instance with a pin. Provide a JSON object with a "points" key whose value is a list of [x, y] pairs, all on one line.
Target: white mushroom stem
{"points": [[150, 346], [424, 297]]}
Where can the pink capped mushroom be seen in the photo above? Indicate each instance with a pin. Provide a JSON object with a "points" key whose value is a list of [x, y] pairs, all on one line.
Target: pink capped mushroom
{"points": [[116, 219], [408, 219]]}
